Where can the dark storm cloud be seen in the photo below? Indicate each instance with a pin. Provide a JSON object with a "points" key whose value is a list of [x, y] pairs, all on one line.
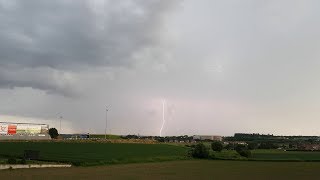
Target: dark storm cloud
{"points": [[72, 35]]}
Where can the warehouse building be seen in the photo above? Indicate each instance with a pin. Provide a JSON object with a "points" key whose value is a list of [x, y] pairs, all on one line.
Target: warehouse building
{"points": [[23, 131], [207, 137]]}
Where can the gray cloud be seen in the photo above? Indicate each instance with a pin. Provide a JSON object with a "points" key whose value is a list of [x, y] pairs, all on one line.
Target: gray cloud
{"points": [[222, 66], [73, 36], [45, 78]]}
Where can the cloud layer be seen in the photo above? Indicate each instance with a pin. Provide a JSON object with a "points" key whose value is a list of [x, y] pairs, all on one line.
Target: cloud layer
{"points": [[222, 66], [44, 38]]}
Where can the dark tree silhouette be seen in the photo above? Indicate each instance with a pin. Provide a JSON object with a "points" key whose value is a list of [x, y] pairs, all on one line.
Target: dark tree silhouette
{"points": [[217, 146], [53, 132], [200, 151]]}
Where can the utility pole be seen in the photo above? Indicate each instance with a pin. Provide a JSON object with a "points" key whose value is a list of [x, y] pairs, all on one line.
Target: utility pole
{"points": [[105, 132]]}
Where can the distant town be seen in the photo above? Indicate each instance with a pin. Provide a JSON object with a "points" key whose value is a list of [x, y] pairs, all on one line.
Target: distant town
{"points": [[253, 141]]}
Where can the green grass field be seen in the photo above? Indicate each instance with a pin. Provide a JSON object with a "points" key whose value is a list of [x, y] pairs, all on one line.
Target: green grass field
{"points": [[95, 153], [285, 155], [189, 169]]}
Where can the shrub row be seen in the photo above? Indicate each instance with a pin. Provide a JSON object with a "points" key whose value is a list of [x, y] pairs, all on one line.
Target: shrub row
{"points": [[15, 161], [202, 152]]}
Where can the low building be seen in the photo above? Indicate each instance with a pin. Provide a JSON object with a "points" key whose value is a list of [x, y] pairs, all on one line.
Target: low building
{"points": [[235, 143], [207, 137]]}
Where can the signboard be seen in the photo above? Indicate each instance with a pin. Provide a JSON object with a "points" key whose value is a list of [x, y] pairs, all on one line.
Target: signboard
{"points": [[33, 129], [12, 129], [3, 128], [22, 128], [44, 129]]}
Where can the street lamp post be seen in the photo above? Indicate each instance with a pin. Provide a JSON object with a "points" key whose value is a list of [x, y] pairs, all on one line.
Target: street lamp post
{"points": [[105, 132]]}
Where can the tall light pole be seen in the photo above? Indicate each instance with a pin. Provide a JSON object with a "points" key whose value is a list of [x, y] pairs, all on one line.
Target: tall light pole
{"points": [[105, 132], [60, 125]]}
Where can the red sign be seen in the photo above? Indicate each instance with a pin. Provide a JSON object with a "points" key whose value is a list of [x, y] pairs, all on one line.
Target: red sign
{"points": [[12, 129]]}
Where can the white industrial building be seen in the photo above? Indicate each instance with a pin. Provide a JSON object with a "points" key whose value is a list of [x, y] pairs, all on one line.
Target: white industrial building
{"points": [[207, 137], [23, 131]]}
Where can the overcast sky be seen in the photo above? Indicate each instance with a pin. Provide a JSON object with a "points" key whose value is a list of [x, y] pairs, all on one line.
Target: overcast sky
{"points": [[249, 66]]}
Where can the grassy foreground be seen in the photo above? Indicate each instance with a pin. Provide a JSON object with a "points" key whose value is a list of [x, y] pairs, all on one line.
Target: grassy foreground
{"points": [[86, 154], [189, 169]]}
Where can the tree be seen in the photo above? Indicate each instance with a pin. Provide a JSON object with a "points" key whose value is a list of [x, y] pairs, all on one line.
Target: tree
{"points": [[53, 132], [252, 145], [240, 147], [267, 145], [245, 153], [229, 146], [243, 150], [217, 146], [200, 151]]}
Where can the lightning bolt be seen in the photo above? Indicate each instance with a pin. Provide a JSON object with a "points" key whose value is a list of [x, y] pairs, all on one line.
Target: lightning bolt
{"points": [[163, 118]]}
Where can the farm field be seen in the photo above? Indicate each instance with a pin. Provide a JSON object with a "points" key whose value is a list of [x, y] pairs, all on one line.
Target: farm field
{"points": [[188, 169], [97, 153], [285, 155], [87, 154]]}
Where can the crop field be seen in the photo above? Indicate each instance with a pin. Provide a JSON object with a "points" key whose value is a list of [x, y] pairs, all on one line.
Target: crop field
{"points": [[286, 155], [87, 154], [119, 155], [95, 153], [188, 169]]}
